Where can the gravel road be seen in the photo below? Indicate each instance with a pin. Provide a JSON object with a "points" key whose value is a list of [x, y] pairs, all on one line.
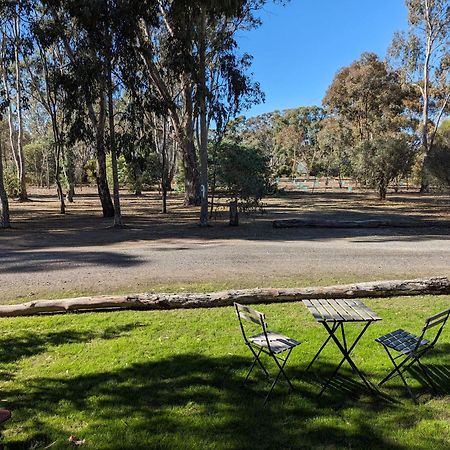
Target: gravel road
{"points": [[40, 264]]}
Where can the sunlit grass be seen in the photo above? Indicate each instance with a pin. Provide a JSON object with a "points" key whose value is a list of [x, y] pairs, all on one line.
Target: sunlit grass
{"points": [[173, 379]]}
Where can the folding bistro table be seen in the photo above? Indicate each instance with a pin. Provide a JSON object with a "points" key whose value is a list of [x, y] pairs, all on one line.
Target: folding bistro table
{"points": [[334, 314]]}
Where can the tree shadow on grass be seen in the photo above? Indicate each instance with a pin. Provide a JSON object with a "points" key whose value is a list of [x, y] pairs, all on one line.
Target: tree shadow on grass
{"points": [[190, 401]]}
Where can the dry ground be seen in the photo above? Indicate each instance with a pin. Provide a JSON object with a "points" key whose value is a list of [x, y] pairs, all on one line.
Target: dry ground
{"points": [[47, 255]]}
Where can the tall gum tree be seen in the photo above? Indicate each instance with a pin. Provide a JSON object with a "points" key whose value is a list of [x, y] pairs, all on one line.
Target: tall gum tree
{"points": [[422, 54], [12, 77], [197, 45], [76, 25]]}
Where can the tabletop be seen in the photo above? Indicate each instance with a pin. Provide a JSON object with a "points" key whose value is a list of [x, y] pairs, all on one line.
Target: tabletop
{"points": [[340, 310]]}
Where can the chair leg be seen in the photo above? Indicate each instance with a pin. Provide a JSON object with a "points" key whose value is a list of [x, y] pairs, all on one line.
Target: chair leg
{"points": [[256, 360], [281, 371], [397, 371], [281, 367], [394, 371]]}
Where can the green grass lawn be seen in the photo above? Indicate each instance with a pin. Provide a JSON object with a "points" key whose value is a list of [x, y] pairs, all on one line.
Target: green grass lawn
{"points": [[173, 379]]}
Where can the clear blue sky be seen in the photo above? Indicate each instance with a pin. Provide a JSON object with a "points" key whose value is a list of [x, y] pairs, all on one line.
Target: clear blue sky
{"points": [[300, 47]]}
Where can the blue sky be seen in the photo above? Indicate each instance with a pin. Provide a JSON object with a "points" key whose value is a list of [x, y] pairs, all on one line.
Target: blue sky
{"points": [[301, 46]]}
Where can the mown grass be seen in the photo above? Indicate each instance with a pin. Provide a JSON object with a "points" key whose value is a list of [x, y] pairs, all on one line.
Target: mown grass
{"points": [[173, 379]]}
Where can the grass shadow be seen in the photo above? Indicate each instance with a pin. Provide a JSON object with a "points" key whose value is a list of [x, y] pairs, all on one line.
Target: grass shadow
{"points": [[190, 401]]}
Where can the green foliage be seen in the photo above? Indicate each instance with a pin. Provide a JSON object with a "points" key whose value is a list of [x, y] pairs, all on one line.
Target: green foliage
{"points": [[12, 186], [335, 141], [90, 169], [368, 97], [296, 132], [121, 170], [380, 161], [142, 173], [243, 172], [38, 154], [438, 162]]}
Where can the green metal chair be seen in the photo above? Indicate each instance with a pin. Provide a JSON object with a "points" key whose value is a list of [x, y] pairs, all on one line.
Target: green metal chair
{"points": [[411, 348], [269, 342]]}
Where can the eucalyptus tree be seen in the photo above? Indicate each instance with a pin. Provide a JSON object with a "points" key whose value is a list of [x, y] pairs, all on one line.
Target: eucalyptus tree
{"points": [[296, 133], [88, 32], [335, 141], [439, 158], [12, 77], [423, 56], [368, 97], [366, 103], [4, 213], [45, 64], [381, 160], [197, 46], [166, 148]]}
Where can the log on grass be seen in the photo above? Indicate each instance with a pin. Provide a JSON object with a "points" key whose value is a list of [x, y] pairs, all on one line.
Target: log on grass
{"points": [[370, 223], [152, 301]]}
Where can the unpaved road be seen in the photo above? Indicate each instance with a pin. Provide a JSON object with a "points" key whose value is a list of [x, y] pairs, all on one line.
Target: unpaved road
{"points": [[54, 256]]}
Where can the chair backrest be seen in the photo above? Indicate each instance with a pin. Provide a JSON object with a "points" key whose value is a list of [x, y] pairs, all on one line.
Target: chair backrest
{"points": [[251, 315], [438, 319]]}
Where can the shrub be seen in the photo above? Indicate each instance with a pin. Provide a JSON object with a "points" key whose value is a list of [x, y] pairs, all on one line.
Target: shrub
{"points": [[243, 172], [12, 186], [438, 162], [380, 161]]}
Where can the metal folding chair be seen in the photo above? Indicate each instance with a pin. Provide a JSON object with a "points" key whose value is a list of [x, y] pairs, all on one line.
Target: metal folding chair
{"points": [[268, 342], [411, 348]]}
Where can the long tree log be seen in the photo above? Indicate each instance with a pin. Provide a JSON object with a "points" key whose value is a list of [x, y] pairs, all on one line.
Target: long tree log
{"points": [[370, 223], [151, 301]]}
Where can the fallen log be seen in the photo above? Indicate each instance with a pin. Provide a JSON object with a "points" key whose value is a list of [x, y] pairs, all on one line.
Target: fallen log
{"points": [[370, 223], [153, 301]]}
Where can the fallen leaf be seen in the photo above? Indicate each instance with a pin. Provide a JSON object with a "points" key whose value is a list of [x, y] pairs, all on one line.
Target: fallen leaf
{"points": [[75, 441]]}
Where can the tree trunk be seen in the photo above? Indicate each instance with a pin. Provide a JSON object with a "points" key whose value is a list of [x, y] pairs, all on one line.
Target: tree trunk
{"points": [[4, 217], [101, 172], [164, 197], [118, 221], [23, 196], [234, 214], [69, 170], [62, 205], [191, 175], [164, 168], [425, 181], [150, 301], [203, 147], [7, 96]]}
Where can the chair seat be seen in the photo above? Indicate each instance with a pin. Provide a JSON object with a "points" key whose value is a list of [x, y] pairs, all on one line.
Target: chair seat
{"points": [[278, 342], [401, 341]]}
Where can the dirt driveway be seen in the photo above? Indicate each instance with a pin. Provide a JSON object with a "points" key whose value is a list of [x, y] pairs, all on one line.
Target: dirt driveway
{"points": [[48, 255]]}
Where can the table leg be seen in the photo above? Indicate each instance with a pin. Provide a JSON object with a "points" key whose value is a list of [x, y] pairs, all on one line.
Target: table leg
{"points": [[333, 330], [346, 352]]}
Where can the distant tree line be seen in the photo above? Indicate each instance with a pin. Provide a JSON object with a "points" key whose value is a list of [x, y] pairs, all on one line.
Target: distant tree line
{"points": [[380, 120], [140, 93]]}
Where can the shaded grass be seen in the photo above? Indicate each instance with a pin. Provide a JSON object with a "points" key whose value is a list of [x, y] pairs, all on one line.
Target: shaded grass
{"points": [[173, 379]]}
